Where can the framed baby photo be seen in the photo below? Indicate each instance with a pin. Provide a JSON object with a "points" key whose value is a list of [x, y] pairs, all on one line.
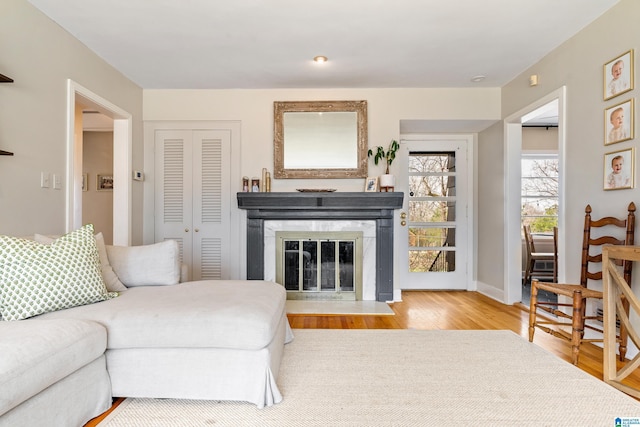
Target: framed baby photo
{"points": [[371, 184], [618, 122], [618, 75], [619, 169]]}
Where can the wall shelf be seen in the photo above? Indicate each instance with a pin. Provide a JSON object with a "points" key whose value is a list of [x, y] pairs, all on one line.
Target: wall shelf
{"points": [[5, 79]]}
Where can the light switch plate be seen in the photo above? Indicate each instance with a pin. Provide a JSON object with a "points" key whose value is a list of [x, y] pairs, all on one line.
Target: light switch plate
{"points": [[44, 179]]}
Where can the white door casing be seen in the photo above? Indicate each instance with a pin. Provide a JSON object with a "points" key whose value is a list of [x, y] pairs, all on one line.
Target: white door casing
{"points": [[512, 291], [122, 154], [458, 247]]}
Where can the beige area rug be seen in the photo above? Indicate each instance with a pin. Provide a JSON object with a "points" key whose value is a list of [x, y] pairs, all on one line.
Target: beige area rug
{"points": [[355, 308], [407, 378]]}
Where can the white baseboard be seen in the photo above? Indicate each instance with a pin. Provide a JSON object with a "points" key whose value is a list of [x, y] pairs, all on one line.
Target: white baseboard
{"points": [[490, 291]]}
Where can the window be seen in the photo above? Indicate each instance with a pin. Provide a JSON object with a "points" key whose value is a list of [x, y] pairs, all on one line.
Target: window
{"points": [[432, 211], [539, 194]]}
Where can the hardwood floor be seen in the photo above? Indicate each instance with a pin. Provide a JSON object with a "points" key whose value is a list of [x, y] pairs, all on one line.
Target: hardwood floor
{"points": [[455, 310]]}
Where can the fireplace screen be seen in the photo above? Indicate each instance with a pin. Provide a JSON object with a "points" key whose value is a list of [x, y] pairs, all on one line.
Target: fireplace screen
{"points": [[320, 265]]}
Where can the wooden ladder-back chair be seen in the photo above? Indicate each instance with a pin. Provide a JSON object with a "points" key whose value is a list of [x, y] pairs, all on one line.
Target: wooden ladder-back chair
{"points": [[619, 232], [533, 256]]}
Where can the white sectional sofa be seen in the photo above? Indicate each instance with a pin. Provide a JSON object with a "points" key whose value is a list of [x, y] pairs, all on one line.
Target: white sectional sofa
{"points": [[52, 373], [217, 340]]}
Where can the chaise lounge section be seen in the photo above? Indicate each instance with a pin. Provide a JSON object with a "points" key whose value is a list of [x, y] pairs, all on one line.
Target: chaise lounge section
{"points": [[217, 340]]}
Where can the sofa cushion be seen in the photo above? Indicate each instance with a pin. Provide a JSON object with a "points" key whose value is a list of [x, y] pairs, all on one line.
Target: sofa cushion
{"points": [[110, 278], [37, 278], [39, 353], [146, 265], [237, 314]]}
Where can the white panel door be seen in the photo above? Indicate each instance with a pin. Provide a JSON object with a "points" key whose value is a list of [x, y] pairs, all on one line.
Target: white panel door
{"points": [[211, 210], [432, 247], [191, 187]]}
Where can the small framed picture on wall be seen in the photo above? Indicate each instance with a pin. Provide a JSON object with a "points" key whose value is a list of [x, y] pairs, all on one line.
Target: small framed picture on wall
{"points": [[371, 184], [618, 122], [619, 169], [618, 75], [104, 182], [85, 181]]}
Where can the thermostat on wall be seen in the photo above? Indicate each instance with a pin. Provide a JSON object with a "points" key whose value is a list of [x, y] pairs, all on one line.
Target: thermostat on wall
{"points": [[138, 175]]}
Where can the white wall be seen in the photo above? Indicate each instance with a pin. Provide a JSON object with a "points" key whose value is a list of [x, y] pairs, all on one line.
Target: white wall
{"points": [[577, 64], [40, 57], [254, 109], [490, 215], [97, 206], [535, 139]]}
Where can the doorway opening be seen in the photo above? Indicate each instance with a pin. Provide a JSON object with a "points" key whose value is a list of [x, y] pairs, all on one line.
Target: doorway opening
{"points": [[79, 98], [97, 173], [541, 112]]}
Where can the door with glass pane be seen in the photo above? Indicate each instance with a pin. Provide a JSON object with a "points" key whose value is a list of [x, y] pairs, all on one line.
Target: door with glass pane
{"points": [[433, 228]]}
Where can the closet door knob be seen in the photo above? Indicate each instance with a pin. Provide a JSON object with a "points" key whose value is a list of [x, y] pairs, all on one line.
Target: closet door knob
{"points": [[186, 230]]}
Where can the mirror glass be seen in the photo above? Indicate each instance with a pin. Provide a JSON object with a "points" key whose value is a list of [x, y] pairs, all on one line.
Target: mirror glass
{"points": [[320, 139]]}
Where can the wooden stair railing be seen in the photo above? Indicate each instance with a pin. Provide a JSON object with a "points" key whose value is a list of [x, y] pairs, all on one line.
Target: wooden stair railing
{"points": [[619, 300]]}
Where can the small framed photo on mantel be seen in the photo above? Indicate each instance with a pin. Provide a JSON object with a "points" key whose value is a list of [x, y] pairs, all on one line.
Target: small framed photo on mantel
{"points": [[371, 184]]}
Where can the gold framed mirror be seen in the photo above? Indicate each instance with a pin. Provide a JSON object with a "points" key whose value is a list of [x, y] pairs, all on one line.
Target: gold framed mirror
{"points": [[320, 139]]}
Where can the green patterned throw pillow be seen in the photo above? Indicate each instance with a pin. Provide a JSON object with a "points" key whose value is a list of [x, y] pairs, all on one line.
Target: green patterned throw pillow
{"points": [[37, 278]]}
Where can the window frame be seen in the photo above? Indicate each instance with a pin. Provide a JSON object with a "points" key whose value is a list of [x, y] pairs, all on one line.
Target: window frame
{"points": [[524, 197]]}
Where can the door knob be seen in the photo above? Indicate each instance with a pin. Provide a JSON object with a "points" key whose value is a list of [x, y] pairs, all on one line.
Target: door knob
{"points": [[196, 230], [403, 215], [186, 230], [403, 223]]}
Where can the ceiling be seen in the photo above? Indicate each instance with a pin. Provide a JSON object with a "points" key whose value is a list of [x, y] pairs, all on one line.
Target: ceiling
{"points": [[253, 44]]}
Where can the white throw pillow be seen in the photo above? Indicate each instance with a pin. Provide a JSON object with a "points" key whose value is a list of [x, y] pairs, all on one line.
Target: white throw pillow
{"points": [[110, 279], [146, 265], [37, 278], [108, 275]]}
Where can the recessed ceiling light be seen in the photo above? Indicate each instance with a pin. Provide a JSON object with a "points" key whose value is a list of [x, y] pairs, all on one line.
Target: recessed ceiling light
{"points": [[478, 78], [320, 59]]}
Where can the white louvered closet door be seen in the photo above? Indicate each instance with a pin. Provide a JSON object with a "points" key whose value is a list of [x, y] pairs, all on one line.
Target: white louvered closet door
{"points": [[192, 197]]}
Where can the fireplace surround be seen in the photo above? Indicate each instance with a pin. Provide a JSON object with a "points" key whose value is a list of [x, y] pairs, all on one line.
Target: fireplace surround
{"points": [[292, 206]]}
